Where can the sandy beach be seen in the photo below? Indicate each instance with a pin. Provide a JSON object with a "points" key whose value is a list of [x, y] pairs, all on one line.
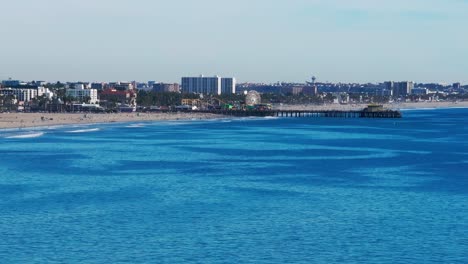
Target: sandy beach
{"points": [[19, 120]]}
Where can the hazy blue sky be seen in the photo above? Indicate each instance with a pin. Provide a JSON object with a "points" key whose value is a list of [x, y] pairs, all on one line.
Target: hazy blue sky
{"points": [[252, 40]]}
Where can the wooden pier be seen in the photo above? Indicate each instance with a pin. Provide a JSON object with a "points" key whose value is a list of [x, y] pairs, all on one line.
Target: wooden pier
{"points": [[308, 113]]}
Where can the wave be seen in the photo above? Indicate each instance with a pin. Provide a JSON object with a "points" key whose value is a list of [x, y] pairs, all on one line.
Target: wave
{"points": [[84, 130], [31, 135], [136, 125]]}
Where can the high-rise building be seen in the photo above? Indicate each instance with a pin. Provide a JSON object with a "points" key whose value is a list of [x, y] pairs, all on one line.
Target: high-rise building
{"points": [[456, 86], [401, 88], [208, 85], [389, 85], [228, 85]]}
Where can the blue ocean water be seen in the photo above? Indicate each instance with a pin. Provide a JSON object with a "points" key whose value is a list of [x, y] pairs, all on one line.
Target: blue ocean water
{"points": [[238, 191]]}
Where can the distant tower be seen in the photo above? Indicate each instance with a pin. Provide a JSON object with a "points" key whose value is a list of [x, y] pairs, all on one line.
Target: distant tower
{"points": [[313, 80]]}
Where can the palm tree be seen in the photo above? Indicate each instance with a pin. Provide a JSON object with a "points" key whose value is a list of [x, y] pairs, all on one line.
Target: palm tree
{"points": [[87, 99], [10, 102]]}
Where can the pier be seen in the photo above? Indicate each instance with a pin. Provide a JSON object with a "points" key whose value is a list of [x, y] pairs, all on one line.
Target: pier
{"points": [[366, 113]]}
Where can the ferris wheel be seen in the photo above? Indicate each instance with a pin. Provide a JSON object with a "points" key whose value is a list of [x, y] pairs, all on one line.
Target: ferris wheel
{"points": [[252, 98]]}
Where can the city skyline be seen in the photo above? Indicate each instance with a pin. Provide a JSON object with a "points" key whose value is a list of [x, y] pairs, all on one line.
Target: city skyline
{"points": [[179, 82], [359, 41]]}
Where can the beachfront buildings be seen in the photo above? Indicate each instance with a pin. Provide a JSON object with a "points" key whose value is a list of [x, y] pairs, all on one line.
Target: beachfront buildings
{"points": [[402, 89], [83, 95], [201, 85], [399, 89], [228, 85], [420, 91], [121, 86], [26, 94], [22, 95], [113, 96], [208, 85], [166, 87]]}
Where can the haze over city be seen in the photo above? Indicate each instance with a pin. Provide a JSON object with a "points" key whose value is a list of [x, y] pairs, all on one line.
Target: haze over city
{"points": [[258, 41]]}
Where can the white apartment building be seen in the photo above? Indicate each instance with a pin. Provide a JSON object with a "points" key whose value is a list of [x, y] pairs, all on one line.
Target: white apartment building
{"points": [[83, 94], [208, 85], [46, 92], [22, 95]]}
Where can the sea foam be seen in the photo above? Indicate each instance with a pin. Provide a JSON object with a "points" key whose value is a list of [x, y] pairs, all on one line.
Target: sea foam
{"points": [[84, 130], [135, 125], [30, 135]]}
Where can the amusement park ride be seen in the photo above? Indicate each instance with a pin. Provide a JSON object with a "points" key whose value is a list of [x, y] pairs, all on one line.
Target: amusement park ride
{"points": [[252, 102]]}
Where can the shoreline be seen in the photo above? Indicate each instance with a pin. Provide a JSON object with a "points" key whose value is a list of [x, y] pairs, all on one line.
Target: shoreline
{"points": [[46, 120]]}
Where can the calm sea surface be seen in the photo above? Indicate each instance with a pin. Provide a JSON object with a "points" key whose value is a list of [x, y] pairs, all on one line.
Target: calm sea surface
{"points": [[238, 191]]}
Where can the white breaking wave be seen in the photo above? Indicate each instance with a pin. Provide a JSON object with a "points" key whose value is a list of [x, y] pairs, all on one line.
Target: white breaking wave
{"points": [[136, 125], [31, 135], [84, 130]]}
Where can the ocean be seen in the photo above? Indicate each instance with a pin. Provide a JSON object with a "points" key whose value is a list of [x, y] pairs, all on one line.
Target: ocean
{"points": [[252, 190]]}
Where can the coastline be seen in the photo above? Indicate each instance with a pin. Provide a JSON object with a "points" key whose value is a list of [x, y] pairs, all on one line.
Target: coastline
{"points": [[30, 120]]}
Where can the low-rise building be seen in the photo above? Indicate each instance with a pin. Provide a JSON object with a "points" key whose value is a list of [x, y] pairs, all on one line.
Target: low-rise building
{"points": [[419, 91], [42, 91], [116, 96], [83, 95], [166, 87], [23, 95], [98, 86], [121, 86], [11, 83]]}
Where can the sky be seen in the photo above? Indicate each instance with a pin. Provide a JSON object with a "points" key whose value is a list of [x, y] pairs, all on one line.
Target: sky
{"points": [[252, 40]]}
